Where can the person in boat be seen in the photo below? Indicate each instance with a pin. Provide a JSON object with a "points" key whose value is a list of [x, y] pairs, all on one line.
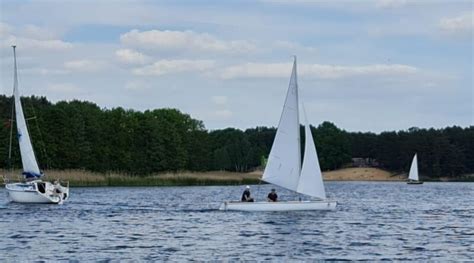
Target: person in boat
{"points": [[272, 196], [246, 195]]}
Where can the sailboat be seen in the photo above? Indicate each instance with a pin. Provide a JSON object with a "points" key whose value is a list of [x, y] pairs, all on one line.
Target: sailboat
{"points": [[413, 174], [32, 189], [284, 163]]}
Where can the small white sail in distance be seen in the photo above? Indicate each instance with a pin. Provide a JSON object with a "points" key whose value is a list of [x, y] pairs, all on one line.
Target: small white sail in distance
{"points": [[28, 159], [413, 174], [284, 161], [311, 179]]}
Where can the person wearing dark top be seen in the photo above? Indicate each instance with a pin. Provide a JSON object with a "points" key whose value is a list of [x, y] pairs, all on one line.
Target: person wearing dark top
{"points": [[246, 195], [272, 196]]}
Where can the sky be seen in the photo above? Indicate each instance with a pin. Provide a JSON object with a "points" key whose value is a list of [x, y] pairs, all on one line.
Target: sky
{"points": [[363, 65]]}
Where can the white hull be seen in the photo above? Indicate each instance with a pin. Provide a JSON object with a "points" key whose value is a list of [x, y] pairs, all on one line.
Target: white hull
{"points": [[279, 206], [32, 197], [414, 182], [37, 192]]}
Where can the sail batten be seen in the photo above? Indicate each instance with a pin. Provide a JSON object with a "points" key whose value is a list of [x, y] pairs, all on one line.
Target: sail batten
{"points": [[28, 159], [413, 174], [284, 162]]}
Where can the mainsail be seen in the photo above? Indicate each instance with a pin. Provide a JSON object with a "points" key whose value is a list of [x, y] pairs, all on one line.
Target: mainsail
{"points": [[30, 166], [311, 179], [413, 174], [284, 162]]}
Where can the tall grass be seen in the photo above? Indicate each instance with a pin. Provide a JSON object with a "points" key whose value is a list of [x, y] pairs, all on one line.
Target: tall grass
{"points": [[86, 178]]}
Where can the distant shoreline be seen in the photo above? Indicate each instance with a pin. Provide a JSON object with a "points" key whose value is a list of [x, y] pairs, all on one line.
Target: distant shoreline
{"points": [[80, 178]]}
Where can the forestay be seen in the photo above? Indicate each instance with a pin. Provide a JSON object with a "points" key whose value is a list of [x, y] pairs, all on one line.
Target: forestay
{"points": [[30, 166], [284, 162]]}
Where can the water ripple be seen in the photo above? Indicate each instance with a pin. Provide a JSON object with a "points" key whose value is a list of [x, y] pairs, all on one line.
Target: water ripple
{"points": [[373, 222]]}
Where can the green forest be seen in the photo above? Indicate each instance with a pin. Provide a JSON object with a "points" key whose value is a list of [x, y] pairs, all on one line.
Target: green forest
{"points": [[81, 135]]}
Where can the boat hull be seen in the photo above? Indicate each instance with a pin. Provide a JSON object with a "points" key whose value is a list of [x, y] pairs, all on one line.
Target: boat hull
{"points": [[414, 182], [30, 193], [278, 206], [32, 197]]}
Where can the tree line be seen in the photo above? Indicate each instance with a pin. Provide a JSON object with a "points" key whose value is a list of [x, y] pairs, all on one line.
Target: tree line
{"points": [[81, 135]]}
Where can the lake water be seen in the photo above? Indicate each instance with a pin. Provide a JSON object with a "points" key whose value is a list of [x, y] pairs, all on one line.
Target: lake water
{"points": [[373, 221]]}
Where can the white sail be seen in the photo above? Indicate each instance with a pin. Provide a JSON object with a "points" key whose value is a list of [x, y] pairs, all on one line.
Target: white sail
{"points": [[30, 166], [413, 175], [284, 162], [311, 179]]}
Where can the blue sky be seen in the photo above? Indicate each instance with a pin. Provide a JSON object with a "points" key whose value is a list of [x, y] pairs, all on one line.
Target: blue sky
{"points": [[364, 65]]}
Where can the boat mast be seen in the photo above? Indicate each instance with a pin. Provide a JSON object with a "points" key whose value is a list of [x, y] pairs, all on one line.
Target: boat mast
{"points": [[284, 162], [298, 116], [15, 83]]}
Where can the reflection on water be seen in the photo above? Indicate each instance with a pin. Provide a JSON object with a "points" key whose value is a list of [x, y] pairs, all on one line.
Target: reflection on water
{"points": [[373, 221]]}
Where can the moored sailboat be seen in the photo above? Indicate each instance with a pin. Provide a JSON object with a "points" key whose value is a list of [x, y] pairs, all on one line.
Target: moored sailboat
{"points": [[33, 189], [284, 163]]}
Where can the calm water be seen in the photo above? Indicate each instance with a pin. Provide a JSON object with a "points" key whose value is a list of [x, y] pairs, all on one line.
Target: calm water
{"points": [[373, 221]]}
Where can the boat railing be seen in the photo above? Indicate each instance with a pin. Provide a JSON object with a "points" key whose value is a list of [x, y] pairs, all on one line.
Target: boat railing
{"points": [[62, 182], [5, 179]]}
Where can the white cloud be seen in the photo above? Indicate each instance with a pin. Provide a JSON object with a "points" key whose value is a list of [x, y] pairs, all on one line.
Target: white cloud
{"points": [[164, 67], [46, 71], [29, 43], [131, 56], [85, 65], [36, 32], [278, 70], [290, 45], [63, 88], [30, 37], [332, 72], [223, 114], [137, 85], [4, 30], [184, 40], [343, 50], [460, 24], [257, 70], [390, 3], [291, 2], [219, 100]]}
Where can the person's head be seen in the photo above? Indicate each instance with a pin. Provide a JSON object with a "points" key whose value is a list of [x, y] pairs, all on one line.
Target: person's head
{"points": [[247, 187], [273, 190]]}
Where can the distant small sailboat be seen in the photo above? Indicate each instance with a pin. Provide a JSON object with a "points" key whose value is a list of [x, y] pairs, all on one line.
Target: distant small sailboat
{"points": [[413, 174], [33, 189], [284, 163]]}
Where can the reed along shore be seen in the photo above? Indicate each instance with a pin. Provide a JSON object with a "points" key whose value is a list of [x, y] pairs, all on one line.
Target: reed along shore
{"points": [[81, 178]]}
